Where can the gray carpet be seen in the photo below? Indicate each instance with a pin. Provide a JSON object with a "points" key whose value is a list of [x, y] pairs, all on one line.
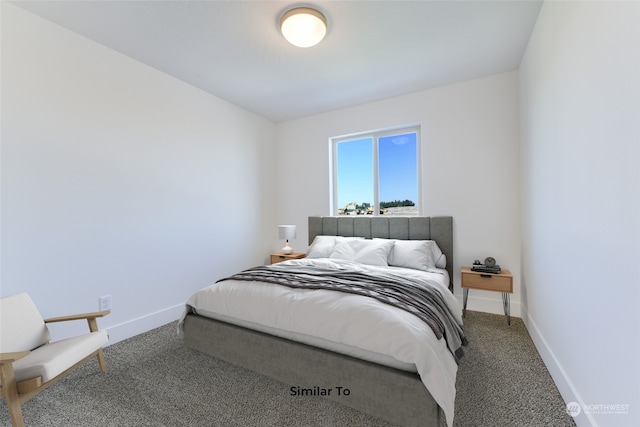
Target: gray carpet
{"points": [[153, 381], [502, 380]]}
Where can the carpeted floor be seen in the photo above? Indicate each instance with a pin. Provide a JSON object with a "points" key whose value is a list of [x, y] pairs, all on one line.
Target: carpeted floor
{"points": [[153, 381], [502, 380]]}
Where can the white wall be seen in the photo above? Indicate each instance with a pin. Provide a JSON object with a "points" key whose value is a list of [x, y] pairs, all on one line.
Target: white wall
{"points": [[118, 179], [580, 105], [470, 161]]}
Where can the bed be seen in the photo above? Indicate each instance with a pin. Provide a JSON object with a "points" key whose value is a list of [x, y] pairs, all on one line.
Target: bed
{"points": [[407, 383]]}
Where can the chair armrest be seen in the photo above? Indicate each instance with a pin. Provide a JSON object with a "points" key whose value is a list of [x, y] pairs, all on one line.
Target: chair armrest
{"points": [[12, 357], [86, 316]]}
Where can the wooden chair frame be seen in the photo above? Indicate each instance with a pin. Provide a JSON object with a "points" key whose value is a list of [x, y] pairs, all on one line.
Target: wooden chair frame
{"points": [[18, 392]]}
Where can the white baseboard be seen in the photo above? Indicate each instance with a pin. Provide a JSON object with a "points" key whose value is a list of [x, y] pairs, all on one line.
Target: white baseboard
{"points": [[142, 324], [558, 374]]}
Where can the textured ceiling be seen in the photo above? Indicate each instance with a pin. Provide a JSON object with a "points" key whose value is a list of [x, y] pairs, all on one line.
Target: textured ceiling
{"points": [[373, 49]]}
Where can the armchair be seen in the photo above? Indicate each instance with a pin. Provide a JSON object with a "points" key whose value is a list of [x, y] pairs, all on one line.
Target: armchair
{"points": [[29, 362]]}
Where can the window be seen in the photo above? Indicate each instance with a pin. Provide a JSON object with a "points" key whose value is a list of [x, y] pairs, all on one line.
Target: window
{"points": [[377, 173]]}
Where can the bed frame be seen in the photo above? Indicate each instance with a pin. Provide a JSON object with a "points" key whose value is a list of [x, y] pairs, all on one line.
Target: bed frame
{"points": [[391, 394]]}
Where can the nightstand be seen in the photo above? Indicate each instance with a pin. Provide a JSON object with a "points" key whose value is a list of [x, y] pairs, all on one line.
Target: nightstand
{"points": [[502, 282], [279, 256]]}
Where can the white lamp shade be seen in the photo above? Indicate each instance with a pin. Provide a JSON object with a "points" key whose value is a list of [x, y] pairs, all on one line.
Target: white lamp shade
{"points": [[286, 232], [303, 26]]}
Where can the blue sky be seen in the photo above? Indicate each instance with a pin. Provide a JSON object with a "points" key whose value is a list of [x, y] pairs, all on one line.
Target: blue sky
{"points": [[397, 171]]}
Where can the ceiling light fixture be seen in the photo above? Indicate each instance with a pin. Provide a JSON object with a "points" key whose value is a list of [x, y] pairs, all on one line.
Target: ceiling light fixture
{"points": [[303, 26]]}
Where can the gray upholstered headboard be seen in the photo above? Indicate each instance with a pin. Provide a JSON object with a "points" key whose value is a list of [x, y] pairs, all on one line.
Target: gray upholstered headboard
{"points": [[438, 228]]}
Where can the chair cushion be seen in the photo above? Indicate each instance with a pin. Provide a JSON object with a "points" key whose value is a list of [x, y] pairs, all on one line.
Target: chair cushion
{"points": [[52, 359], [21, 326]]}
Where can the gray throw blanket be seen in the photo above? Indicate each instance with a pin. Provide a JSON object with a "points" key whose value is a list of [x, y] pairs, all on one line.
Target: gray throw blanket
{"points": [[411, 295]]}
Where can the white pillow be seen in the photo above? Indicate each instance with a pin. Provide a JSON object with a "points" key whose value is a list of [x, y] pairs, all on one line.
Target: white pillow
{"points": [[416, 254], [322, 246], [371, 252], [439, 259], [442, 261]]}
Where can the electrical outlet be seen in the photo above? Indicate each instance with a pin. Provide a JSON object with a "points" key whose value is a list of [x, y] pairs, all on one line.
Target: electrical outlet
{"points": [[104, 303]]}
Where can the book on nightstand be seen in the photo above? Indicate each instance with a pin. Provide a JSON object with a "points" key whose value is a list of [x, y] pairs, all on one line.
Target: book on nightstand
{"points": [[481, 268]]}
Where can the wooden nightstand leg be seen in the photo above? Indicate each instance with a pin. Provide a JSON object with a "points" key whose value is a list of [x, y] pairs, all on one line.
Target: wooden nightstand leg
{"points": [[507, 309], [465, 296]]}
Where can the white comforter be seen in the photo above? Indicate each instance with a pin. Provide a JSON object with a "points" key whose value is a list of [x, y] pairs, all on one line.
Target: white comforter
{"points": [[344, 322]]}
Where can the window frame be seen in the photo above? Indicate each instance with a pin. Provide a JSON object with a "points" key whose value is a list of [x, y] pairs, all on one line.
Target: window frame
{"points": [[375, 135]]}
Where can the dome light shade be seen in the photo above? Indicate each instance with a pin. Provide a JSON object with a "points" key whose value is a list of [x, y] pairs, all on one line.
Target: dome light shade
{"points": [[303, 26]]}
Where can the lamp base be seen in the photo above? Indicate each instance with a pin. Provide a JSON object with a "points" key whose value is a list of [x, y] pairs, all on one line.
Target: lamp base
{"points": [[287, 250]]}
